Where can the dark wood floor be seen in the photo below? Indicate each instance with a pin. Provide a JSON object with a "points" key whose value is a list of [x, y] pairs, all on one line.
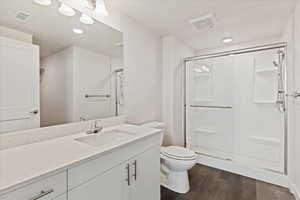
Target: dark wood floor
{"points": [[213, 184]]}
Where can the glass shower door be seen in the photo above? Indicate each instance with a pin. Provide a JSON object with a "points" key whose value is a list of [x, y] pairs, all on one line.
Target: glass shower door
{"points": [[210, 107], [232, 110]]}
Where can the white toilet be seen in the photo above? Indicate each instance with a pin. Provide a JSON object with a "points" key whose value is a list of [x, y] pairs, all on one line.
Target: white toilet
{"points": [[175, 162]]}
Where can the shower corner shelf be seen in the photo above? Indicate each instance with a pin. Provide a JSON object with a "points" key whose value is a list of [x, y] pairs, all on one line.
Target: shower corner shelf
{"points": [[203, 75], [266, 72], [264, 102], [204, 131]]}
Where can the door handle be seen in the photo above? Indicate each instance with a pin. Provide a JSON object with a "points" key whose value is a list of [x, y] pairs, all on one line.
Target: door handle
{"points": [[135, 170], [35, 112], [128, 174]]}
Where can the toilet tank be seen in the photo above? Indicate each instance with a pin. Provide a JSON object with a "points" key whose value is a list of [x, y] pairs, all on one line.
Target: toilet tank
{"points": [[157, 125]]}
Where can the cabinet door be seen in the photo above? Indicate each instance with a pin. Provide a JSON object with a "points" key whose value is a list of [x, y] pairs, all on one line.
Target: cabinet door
{"points": [[62, 197], [146, 175], [110, 185]]}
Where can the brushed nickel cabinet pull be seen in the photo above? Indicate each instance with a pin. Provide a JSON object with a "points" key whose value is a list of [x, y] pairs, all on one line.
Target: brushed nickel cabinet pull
{"points": [[42, 194], [128, 174], [135, 170]]}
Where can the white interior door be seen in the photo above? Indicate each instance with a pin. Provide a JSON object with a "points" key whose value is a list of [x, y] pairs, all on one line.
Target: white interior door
{"points": [[19, 85], [295, 108]]}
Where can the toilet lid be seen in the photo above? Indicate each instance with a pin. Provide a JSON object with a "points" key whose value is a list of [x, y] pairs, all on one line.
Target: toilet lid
{"points": [[178, 152]]}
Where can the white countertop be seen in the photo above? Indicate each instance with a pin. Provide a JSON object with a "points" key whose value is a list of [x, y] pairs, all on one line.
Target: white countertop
{"points": [[24, 163]]}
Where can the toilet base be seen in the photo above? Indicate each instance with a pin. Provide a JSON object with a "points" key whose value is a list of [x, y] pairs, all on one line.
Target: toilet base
{"points": [[176, 181]]}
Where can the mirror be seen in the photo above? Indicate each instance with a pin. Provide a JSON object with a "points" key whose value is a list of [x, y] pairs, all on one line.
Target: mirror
{"points": [[55, 69]]}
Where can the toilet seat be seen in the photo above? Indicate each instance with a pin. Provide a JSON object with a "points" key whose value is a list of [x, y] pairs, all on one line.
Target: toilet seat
{"points": [[178, 153]]}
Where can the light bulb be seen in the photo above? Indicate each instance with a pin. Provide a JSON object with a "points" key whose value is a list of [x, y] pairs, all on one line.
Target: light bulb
{"points": [[43, 2], [66, 10], [227, 40], [85, 19], [78, 31]]}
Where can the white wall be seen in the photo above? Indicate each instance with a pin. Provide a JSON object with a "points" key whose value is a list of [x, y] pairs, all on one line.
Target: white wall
{"points": [[172, 93], [142, 53], [266, 41], [56, 88], [14, 34]]}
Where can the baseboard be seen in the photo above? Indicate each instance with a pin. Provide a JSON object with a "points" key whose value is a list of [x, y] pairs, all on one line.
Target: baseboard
{"points": [[255, 173], [294, 190]]}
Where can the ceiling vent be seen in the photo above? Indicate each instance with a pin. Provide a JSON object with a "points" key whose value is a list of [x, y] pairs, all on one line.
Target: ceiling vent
{"points": [[22, 16], [203, 22]]}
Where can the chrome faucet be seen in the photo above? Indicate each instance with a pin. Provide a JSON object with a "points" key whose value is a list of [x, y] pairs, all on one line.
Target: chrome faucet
{"points": [[96, 127]]}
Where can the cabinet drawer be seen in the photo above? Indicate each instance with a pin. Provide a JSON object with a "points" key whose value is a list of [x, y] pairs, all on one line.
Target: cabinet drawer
{"points": [[52, 187]]}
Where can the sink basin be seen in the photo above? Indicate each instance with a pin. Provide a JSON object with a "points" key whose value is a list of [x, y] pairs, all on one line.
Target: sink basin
{"points": [[106, 138]]}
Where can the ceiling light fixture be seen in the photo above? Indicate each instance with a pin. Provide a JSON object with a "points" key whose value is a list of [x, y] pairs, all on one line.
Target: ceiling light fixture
{"points": [[227, 40], [43, 2], [78, 31], [66, 10], [100, 8], [85, 19]]}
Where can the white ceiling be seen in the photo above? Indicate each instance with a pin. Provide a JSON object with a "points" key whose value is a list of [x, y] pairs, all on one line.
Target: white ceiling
{"points": [[244, 20], [53, 32]]}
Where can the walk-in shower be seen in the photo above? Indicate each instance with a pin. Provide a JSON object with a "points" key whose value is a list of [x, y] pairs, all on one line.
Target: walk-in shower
{"points": [[235, 107]]}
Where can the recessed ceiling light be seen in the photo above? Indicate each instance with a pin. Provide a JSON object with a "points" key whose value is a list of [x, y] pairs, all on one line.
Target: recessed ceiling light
{"points": [[227, 40], [66, 10], [43, 2], [85, 19], [78, 31]]}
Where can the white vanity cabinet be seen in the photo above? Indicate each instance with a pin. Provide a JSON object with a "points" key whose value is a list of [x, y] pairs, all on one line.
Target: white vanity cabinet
{"points": [[128, 172], [136, 178]]}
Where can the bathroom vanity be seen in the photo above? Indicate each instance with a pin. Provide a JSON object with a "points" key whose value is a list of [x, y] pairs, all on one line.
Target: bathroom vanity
{"points": [[121, 162]]}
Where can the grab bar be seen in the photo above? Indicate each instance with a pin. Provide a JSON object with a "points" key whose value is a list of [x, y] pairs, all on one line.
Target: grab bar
{"points": [[224, 107], [92, 96]]}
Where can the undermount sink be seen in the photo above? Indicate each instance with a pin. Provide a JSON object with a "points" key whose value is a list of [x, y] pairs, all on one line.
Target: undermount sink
{"points": [[106, 138]]}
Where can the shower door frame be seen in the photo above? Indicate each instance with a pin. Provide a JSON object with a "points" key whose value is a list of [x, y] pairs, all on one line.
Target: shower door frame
{"points": [[239, 52]]}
